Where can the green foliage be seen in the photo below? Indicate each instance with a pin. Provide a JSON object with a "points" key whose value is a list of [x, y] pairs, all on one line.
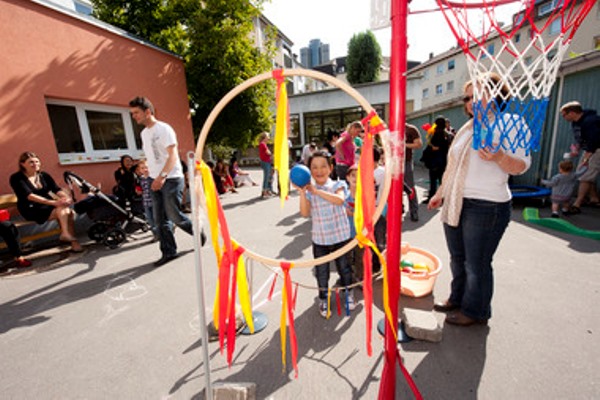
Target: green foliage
{"points": [[364, 58], [221, 152], [214, 39]]}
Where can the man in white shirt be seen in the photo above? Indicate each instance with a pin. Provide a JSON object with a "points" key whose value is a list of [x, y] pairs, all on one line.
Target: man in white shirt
{"points": [[160, 147]]}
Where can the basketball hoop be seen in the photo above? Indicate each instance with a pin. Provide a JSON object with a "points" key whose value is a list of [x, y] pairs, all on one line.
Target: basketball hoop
{"points": [[526, 55]]}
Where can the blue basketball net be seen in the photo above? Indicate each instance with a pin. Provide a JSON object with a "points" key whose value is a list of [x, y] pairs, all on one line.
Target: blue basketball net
{"points": [[509, 124]]}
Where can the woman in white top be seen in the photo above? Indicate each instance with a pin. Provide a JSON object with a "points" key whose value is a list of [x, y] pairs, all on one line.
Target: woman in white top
{"points": [[476, 206]]}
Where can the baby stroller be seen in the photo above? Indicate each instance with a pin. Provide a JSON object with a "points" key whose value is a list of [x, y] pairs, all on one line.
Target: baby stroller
{"points": [[113, 218]]}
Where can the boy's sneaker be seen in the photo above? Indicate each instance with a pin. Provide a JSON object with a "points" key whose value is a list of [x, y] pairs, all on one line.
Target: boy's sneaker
{"points": [[323, 308], [351, 302], [555, 215]]}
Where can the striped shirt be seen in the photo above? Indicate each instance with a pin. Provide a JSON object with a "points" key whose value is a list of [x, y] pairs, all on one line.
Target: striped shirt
{"points": [[329, 221]]}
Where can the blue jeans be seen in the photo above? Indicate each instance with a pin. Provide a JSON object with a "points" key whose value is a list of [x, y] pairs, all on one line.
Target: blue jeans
{"points": [[149, 214], [266, 167], [472, 245], [322, 270], [166, 206]]}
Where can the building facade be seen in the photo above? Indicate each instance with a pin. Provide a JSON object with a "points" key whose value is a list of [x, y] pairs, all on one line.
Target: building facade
{"points": [[65, 92]]}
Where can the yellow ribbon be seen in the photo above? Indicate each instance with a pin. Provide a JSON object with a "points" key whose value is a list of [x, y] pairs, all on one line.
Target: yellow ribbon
{"points": [[282, 151]]}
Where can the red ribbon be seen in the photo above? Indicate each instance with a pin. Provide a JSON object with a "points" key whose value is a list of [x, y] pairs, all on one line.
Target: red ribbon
{"points": [[285, 267]]}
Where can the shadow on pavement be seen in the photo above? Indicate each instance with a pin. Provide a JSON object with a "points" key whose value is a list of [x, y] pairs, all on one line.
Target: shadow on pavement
{"points": [[319, 337], [25, 310]]}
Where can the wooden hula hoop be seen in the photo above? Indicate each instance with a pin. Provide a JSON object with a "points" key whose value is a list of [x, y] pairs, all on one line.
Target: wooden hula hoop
{"points": [[322, 77]]}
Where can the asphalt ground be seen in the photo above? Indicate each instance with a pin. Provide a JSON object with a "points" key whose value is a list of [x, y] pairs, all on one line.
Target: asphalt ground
{"points": [[107, 324]]}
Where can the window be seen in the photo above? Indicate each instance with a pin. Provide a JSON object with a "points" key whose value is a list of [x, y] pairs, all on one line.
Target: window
{"points": [[439, 89], [551, 54], [426, 74], [86, 132], [554, 27], [491, 49], [451, 65], [547, 8], [294, 133], [425, 93], [597, 42], [83, 8], [517, 38], [449, 86], [440, 69]]}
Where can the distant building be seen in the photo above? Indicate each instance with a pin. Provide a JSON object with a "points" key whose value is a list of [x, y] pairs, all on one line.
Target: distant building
{"points": [[316, 53]]}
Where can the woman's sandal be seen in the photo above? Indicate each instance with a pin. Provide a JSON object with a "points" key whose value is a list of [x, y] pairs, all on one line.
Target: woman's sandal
{"points": [[67, 239], [76, 247]]}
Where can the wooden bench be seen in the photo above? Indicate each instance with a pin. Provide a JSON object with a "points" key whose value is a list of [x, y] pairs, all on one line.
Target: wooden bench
{"points": [[9, 202]]}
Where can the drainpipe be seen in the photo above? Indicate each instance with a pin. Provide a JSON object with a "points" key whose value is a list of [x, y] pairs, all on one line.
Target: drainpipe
{"points": [[561, 80]]}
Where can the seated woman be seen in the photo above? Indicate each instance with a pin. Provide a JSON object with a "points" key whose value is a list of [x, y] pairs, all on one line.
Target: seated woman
{"points": [[10, 235], [223, 171], [126, 179], [239, 175], [40, 199]]}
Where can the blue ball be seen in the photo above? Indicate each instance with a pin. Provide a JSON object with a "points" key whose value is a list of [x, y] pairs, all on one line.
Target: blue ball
{"points": [[300, 175]]}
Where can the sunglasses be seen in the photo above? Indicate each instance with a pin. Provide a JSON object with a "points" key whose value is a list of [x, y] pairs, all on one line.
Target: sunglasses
{"points": [[467, 99]]}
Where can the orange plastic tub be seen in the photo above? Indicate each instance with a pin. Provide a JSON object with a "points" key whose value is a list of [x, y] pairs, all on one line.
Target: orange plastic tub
{"points": [[419, 282]]}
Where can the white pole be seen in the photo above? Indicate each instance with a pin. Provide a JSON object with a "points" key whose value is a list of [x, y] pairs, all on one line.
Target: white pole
{"points": [[561, 80], [199, 276]]}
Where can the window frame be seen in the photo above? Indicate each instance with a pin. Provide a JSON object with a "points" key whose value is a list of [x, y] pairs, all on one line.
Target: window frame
{"points": [[90, 155]]}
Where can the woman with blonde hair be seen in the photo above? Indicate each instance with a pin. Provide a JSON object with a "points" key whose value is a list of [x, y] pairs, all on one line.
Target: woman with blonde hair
{"points": [[40, 199], [476, 205]]}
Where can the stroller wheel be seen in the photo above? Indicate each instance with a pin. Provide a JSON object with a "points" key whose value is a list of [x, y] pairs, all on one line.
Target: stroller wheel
{"points": [[97, 231], [114, 238]]}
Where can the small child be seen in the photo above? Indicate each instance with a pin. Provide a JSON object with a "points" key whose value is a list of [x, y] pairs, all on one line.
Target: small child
{"points": [[380, 228], [356, 255], [324, 203], [563, 185], [143, 174]]}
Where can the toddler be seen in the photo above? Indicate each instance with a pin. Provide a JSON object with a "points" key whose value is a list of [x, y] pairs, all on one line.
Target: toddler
{"points": [[356, 255], [563, 184], [324, 203], [143, 174]]}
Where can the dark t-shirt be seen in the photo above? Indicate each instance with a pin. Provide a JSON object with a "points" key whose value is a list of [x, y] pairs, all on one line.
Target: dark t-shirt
{"points": [[411, 134], [22, 187], [587, 131]]}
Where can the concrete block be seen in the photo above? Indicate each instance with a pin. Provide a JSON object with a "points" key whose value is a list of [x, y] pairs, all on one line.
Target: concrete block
{"points": [[234, 391], [421, 325]]}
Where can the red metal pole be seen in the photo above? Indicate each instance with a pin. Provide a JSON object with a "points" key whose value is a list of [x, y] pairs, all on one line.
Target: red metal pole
{"points": [[399, 13]]}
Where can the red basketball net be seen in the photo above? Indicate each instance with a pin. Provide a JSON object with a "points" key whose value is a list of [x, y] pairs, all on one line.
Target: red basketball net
{"points": [[526, 54]]}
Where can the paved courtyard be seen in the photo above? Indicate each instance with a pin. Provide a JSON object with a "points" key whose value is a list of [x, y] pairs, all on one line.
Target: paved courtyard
{"points": [[106, 324]]}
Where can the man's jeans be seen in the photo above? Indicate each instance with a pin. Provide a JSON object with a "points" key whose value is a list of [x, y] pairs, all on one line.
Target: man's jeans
{"points": [[166, 207], [472, 245], [322, 270]]}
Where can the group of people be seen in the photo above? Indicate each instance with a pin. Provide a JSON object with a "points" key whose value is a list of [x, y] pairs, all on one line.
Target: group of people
{"points": [[229, 176], [473, 190], [159, 180], [581, 178]]}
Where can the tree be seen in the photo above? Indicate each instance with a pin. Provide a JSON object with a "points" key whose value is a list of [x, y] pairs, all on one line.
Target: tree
{"points": [[213, 37], [364, 58]]}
